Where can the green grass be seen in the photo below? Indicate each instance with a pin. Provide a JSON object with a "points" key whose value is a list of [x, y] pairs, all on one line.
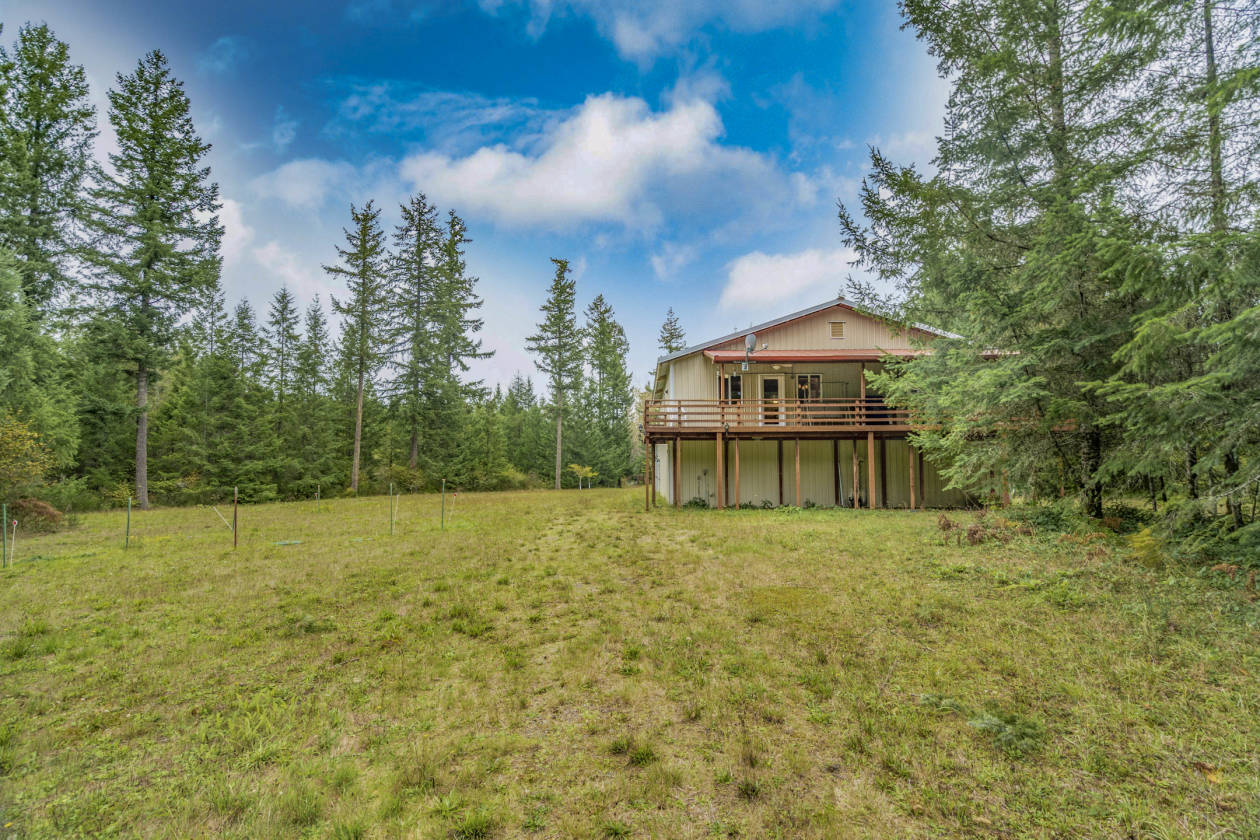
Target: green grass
{"points": [[563, 665]]}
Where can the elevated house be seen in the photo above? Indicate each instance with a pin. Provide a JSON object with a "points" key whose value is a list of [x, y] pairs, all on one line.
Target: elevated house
{"points": [[781, 414]]}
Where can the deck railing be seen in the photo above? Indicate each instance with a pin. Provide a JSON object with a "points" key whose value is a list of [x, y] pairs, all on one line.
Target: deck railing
{"points": [[770, 416]]}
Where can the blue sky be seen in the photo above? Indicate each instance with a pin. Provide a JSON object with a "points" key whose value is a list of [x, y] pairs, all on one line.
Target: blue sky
{"points": [[685, 153]]}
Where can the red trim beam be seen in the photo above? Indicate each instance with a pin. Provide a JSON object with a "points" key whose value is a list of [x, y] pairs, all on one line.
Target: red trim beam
{"points": [[788, 356]]}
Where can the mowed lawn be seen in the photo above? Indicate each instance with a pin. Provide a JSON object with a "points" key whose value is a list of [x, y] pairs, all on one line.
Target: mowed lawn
{"points": [[564, 665]]}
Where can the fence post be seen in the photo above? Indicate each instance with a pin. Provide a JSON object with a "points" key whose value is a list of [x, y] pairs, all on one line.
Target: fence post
{"points": [[127, 538], [391, 508], [317, 498], [444, 504], [4, 533], [235, 497]]}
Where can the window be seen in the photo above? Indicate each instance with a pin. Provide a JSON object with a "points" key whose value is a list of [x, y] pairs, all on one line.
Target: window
{"points": [[733, 387], [808, 386], [837, 329]]}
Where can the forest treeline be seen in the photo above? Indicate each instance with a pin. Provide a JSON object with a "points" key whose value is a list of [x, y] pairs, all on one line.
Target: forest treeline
{"points": [[125, 372], [1089, 231]]}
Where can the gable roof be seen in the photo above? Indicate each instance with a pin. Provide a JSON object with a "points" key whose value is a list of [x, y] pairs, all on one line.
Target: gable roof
{"points": [[804, 313]]}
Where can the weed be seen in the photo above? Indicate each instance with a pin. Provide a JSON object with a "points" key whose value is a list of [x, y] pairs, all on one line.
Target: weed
{"points": [[620, 746], [613, 828], [475, 826], [1013, 734], [748, 789], [642, 755], [349, 830], [300, 805]]}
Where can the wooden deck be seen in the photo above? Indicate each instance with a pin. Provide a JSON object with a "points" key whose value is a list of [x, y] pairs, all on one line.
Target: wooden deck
{"points": [[821, 418]]}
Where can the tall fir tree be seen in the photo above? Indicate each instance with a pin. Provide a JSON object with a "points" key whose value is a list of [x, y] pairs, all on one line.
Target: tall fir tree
{"points": [[414, 274], [156, 235], [47, 125], [313, 400], [1014, 241], [558, 346], [608, 393], [364, 312], [282, 343], [672, 338]]}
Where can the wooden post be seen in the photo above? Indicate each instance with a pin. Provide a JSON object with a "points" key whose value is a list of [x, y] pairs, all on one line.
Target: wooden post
{"points": [[653, 473], [870, 469], [127, 538], [234, 503], [862, 394], [677, 472], [736, 472], [798, 471], [719, 466], [835, 467], [855, 474], [444, 504], [647, 485], [780, 443], [4, 531], [883, 473], [910, 460]]}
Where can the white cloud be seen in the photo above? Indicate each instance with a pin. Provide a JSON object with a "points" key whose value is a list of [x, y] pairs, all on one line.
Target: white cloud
{"points": [[906, 147], [307, 183], [642, 30], [671, 258], [236, 234], [759, 279], [283, 130], [224, 54], [612, 160], [304, 281]]}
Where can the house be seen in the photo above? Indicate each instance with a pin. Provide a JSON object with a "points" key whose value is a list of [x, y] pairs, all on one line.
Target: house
{"points": [[781, 413]]}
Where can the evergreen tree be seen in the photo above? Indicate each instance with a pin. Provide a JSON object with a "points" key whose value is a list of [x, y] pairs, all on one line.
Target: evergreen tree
{"points": [[558, 346], [1017, 236], [672, 339], [608, 393], [157, 238], [46, 129], [415, 268], [311, 395], [363, 313], [282, 342], [35, 386]]}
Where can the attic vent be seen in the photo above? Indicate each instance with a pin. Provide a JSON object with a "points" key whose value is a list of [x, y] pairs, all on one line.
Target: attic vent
{"points": [[837, 329]]}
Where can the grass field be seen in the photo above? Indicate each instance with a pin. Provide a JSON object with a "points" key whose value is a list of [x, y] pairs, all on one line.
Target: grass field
{"points": [[563, 665]]}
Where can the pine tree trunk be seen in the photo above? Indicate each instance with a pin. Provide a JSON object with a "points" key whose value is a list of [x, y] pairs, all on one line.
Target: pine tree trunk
{"points": [[1233, 504], [1192, 476], [413, 456], [559, 423], [358, 437], [1091, 459], [142, 436]]}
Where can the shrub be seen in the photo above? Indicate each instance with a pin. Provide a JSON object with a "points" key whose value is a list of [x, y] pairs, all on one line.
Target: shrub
{"points": [[697, 503], [23, 456], [1044, 518], [35, 515]]}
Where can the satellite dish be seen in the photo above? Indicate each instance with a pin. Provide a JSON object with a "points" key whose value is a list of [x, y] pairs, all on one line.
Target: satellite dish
{"points": [[750, 342]]}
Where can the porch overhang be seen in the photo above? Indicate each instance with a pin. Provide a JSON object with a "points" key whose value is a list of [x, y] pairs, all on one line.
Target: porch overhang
{"points": [[805, 356]]}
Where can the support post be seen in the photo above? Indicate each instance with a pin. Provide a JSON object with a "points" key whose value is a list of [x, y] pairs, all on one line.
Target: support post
{"points": [[911, 461], [719, 457], [653, 473], [235, 500], [780, 444], [444, 504], [798, 471], [855, 473], [870, 469], [883, 473], [647, 485], [835, 468], [922, 484], [862, 394], [4, 534], [317, 498], [391, 508], [736, 472], [677, 472], [127, 536]]}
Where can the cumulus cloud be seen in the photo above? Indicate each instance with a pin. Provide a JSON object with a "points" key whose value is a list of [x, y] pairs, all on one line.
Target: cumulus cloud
{"points": [[307, 183], [612, 159], [642, 30], [305, 281], [236, 234], [759, 279]]}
